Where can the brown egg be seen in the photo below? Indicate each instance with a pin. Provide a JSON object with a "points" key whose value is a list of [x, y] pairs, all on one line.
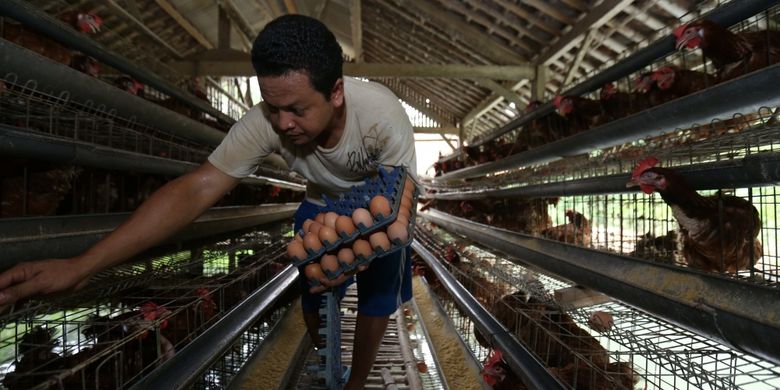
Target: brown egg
{"points": [[404, 213], [295, 249], [379, 205], [315, 228], [313, 272], [298, 237], [406, 196], [330, 219], [307, 224], [344, 225], [403, 219], [330, 263], [362, 248], [311, 242], [406, 204], [328, 234], [601, 321], [346, 256], [422, 367], [379, 239], [320, 218], [362, 216], [398, 231]]}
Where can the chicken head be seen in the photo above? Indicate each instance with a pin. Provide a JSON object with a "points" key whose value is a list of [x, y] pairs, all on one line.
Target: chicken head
{"points": [[688, 36], [644, 178]]}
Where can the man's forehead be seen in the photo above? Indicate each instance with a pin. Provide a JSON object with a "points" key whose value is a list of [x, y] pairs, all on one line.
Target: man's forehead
{"points": [[285, 90]]}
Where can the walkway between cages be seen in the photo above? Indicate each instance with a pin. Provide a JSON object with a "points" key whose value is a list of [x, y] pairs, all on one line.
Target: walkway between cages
{"points": [[395, 364]]}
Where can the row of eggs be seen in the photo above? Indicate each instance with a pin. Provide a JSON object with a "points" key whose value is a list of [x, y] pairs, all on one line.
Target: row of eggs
{"points": [[325, 229]]}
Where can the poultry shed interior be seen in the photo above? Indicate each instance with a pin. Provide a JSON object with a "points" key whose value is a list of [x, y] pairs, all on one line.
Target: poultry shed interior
{"points": [[596, 195]]}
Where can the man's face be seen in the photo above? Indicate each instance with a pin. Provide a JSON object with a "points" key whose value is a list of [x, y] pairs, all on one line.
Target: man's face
{"points": [[296, 110]]}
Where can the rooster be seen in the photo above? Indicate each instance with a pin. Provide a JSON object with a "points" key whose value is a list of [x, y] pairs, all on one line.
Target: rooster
{"points": [[576, 231], [674, 83], [130, 85], [546, 129], [717, 233], [616, 104], [582, 113], [732, 54], [84, 22]]}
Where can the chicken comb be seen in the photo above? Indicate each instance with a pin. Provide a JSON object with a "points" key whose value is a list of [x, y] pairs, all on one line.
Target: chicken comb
{"points": [[557, 101], [678, 32], [657, 73], [643, 166], [494, 358]]}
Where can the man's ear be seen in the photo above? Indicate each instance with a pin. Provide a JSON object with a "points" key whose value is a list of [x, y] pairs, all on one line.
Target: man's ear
{"points": [[337, 93]]}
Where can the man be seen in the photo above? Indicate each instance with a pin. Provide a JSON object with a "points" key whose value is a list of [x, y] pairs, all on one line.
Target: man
{"points": [[327, 127]]}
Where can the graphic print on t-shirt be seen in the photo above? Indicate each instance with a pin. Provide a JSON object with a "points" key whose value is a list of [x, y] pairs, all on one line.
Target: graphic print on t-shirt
{"points": [[360, 160]]}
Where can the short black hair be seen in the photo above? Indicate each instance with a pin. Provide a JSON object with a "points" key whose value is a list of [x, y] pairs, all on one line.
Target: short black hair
{"points": [[292, 43]]}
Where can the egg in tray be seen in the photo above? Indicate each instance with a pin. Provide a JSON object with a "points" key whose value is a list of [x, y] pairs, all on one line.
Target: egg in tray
{"points": [[371, 220]]}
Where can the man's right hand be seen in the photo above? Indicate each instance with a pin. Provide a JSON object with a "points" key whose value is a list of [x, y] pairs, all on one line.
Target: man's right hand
{"points": [[41, 278]]}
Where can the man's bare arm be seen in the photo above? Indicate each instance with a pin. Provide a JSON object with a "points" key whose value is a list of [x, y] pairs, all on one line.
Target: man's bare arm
{"points": [[169, 209]]}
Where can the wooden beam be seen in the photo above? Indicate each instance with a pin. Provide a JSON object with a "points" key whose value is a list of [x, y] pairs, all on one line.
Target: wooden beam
{"points": [[449, 143], [551, 10], [223, 29], [437, 130], [245, 32], [357, 30], [502, 91], [444, 122], [592, 20], [290, 6], [243, 67], [184, 23], [274, 6], [454, 71], [488, 104], [461, 31], [125, 14], [319, 8], [575, 65], [132, 8]]}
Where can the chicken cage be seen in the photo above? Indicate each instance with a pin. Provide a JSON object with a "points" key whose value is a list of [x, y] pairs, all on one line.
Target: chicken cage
{"points": [[135, 317], [596, 99], [636, 224], [117, 162], [626, 348]]}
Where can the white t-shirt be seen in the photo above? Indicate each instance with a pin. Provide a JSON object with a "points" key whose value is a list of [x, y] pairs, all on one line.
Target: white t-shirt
{"points": [[376, 129]]}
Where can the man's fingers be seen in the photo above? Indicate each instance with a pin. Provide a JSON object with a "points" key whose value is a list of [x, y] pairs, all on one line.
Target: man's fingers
{"points": [[14, 275], [18, 291], [15, 284]]}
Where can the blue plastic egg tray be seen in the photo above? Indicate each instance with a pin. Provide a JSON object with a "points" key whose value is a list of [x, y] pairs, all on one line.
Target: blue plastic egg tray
{"points": [[388, 182]]}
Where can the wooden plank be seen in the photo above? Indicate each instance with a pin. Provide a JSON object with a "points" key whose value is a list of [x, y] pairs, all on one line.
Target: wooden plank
{"points": [[184, 23]]}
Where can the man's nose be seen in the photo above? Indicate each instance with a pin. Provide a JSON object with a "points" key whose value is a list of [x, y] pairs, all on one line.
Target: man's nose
{"points": [[285, 121]]}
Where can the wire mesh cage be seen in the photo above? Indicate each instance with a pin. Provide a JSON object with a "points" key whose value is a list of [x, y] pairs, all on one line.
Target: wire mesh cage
{"points": [[645, 225], [26, 107], [676, 75], [587, 343], [136, 316]]}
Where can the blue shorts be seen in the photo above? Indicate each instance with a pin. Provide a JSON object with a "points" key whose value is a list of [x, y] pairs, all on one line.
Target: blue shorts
{"points": [[381, 288]]}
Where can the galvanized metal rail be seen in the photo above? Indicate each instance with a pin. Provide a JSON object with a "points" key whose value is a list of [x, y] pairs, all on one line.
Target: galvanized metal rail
{"points": [[710, 305], [700, 107], [70, 235], [753, 170]]}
